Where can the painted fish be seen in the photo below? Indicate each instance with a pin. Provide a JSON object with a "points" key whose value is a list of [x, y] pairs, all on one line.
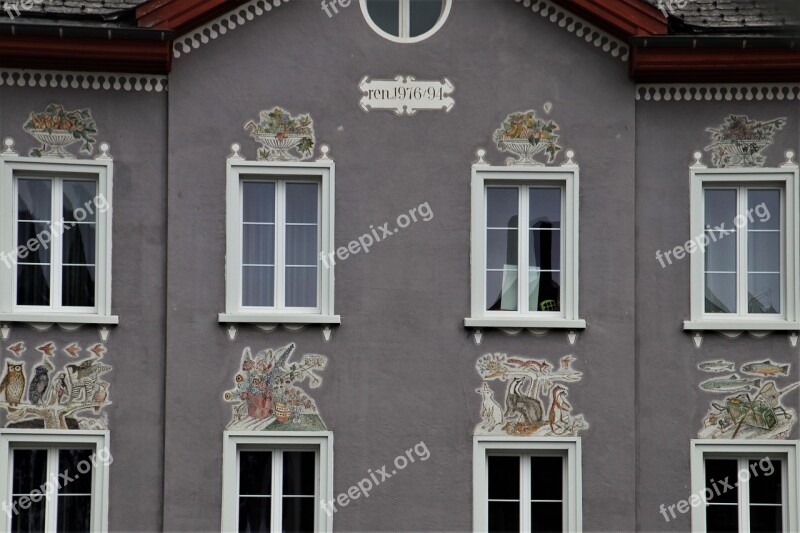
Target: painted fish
{"points": [[730, 384], [717, 366], [766, 368]]}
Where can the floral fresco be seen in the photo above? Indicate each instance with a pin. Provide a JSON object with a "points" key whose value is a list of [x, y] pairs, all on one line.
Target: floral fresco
{"points": [[739, 141], [267, 395], [56, 129], [524, 135], [278, 133], [752, 406], [37, 396], [536, 399]]}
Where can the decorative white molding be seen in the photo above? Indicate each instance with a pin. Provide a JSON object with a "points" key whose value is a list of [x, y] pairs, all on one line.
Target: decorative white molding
{"points": [[793, 340], [8, 143], [698, 160], [573, 24], [104, 155], [658, 92], [697, 338], [406, 95], [83, 80], [481, 153], [221, 25], [790, 162], [235, 153]]}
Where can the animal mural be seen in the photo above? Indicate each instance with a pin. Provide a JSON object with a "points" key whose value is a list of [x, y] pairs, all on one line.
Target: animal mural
{"points": [[753, 406], [71, 397], [266, 396], [536, 397]]}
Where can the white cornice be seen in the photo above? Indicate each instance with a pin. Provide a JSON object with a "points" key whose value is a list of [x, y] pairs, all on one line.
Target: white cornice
{"points": [[667, 92], [83, 80]]}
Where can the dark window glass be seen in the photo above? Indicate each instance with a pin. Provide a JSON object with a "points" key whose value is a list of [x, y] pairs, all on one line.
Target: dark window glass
{"points": [[77, 286], [34, 199], [385, 14], [424, 14], [503, 477], [30, 470], [299, 473], [79, 201], [503, 516], [766, 488], [547, 478], [33, 285], [298, 514], [722, 512], [30, 520], [722, 519], [258, 201], [77, 466], [255, 473], [255, 514], [766, 518], [547, 517], [258, 284]]}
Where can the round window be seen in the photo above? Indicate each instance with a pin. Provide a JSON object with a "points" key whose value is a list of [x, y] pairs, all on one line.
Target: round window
{"points": [[406, 21]]}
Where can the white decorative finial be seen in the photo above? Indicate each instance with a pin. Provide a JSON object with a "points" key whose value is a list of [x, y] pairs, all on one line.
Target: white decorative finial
{"points": [[104, 155], [235, 147], [481, 153], [8, 142], [324, 149], [698, 160], [790, 162], [570, 162]]}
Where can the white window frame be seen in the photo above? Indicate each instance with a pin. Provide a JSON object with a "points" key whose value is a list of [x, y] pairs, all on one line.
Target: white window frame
{"points": [[101, 169], [788, 449], [569, 447], [64, 438], [404, 22], [787, 179], [322, 172], [567, 177], [233, 441]]}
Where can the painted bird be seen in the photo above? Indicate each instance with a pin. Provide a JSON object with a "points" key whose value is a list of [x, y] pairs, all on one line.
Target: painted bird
{"points": [[100, 396], [17, 348], [38, 385], [47, 349], [98, 350], [73, 349], [13, 384], [61, 386]]}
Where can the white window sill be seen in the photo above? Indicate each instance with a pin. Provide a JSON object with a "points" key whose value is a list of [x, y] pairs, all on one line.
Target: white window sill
{"points": [[60, 318], [285, 318], [525, 322], [740, 325]]}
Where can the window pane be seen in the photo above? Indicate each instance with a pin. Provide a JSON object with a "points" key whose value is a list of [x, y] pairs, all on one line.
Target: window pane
{"points": [[504, 516], [29, 520], [301, 287], [545, 207], [501, 290], [763, 251], [544, 249], [424, 15], [767, 518], [77, 286], [31, 230], [74, 514], [80, 194], [299, 473], [30, 470], [33, 285], [501, 248], [385, 14], [33, 199], [258, 201], [255, 473], [720, 472], [257, 286], [254, 515], [547, 477], [503, 477], [79, 245], [301, 203], [764, 293], [544, 290], [722, 519], [298, 514], [77, 466], [720, 293], [502, 207], [301, 245], [767, 486], [720, 254], [547, 517], [720, 209], [766, 208], [258, 244]]}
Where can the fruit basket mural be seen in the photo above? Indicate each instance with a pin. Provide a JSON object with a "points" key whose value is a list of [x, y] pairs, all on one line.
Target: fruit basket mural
{"points": [[739, 141], [56, 129], [524, 135], [266, 395], [278, 133]]}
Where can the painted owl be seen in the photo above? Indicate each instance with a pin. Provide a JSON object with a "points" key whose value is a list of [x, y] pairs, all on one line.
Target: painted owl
{"points": [[38, 385], [13, 384]]}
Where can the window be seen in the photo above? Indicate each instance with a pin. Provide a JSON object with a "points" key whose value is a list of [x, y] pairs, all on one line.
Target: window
{"points": [[406, 21], [524, 485], [276, 483], [743, 488], [524, 247], [280, 221], [56, 241], [744, 271], [56, 482]]}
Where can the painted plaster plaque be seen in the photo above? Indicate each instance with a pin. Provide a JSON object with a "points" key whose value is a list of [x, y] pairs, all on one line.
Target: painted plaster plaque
{"points": [[406, 95]]}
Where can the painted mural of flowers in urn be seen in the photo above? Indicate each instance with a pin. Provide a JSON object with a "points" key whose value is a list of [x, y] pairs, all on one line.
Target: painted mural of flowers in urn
{"points": [[524, 135], [739, 141], [278, 133], [56, 128]]}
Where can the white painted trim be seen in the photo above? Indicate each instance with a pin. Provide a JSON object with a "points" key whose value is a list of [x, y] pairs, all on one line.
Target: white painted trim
{"points": [[232, 440], [83, 80], [404, 22], [569, 179], [103, 170], [666, 92], [570, 446], [788, 178], [789, 448], [59, 439], [322, 171]]}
